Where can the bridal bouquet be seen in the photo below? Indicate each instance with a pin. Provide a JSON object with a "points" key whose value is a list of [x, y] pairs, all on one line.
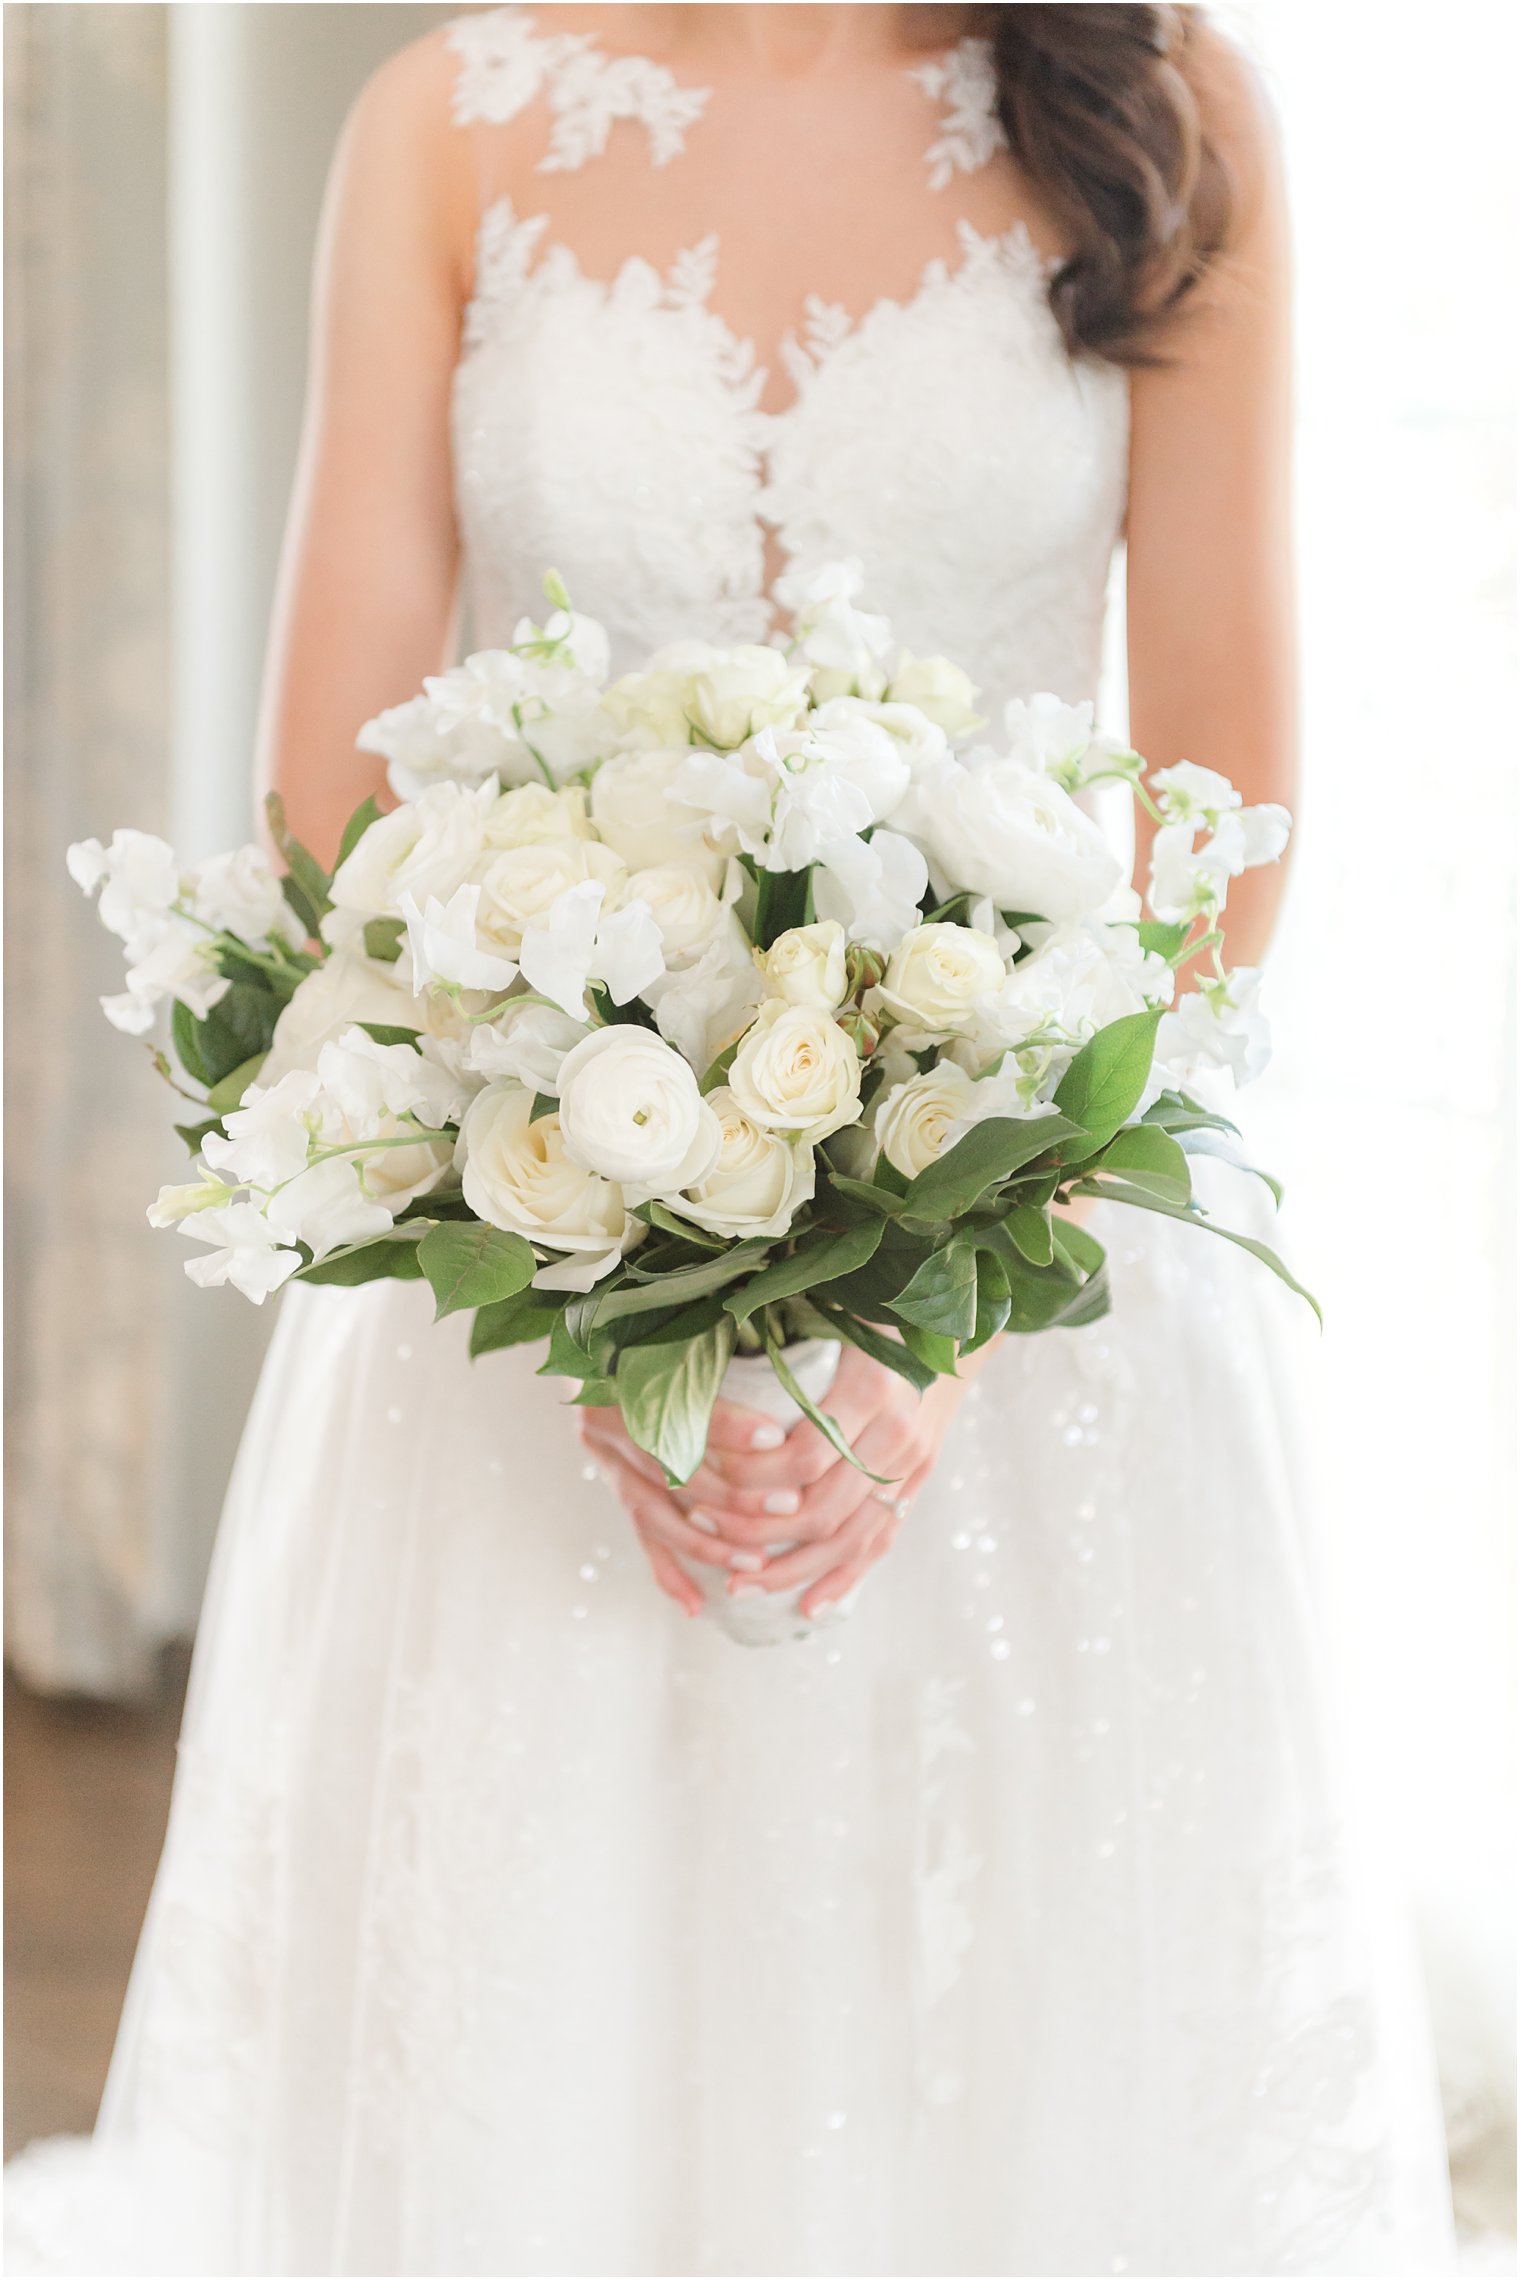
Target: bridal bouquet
{"points": [[745, 1002]]}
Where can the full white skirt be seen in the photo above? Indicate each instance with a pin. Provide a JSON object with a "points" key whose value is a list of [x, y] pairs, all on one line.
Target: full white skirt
{"points": [[509, 1923]]}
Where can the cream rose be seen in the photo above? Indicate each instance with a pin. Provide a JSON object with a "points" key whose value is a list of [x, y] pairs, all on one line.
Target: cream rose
{"points": [[347, 987], [428, 847], [939, 689], [796, 1071], [746, 689], [913, 1120], [683, 906], [518, 1176], [531, 814], [758, 1183], [520, 886], [806, 966], [937, 973], [630, 1109], [633, 811], [653, 708]]}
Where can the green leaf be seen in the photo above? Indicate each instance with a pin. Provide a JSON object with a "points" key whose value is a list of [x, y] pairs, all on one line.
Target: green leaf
{"points": [[383, 938], [816, 1416], [385, 1259], [239, 1028], [820, 1260], [1146, 1157], [890, 1352], [701, 1238], [355, 828], [1174, 1112], [306, 883], [474, 1265], [1030, 1230], [672, 1289], [182, 1029], [993, 1300], [571, 1352], [942, 1295], [666, 1394], [936, 1353], [226, 1096], [1104, 1083], [1197, 1218], [981, 1159], [782, 901], [1076, 1247], [544, 1104], [389, 1032], [1203, 1140], [1163, 938], [717, 1071], [595, 1393], [194, 1134], [875, 1199], [516, 1321]]}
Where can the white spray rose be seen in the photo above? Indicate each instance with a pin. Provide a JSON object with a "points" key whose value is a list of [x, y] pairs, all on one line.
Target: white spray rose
{"points": [[635, 811], [629, 1108], [744, 690], [427, 848], [517, 1176], [937, 974], [531, 814], [652, 709], [917, 1120], [1005, 830], [796, 1071], [938, 689], [758, 1182], [683, 906], [806, 966]]}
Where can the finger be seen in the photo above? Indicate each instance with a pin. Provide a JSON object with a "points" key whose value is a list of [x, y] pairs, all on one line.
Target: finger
{"points": [[654, 1513], [671, 1576], [840, 1581], [811, 1562], [733, 1428]]}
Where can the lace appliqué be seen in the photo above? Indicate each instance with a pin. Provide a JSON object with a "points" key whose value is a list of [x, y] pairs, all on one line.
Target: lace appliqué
{"points": [[964, 84], [506, 63]]}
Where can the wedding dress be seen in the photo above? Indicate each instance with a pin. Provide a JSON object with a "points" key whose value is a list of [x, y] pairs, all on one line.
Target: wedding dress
{"points": [[507, 1922]]}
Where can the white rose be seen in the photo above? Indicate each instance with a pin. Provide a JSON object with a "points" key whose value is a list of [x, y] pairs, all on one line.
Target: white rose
{"points": [[653, 708], [758, 1183], [1005, 830], [347, 987], [630, 1109], [633, 810], [240, 894], [427, 848], [806, 966], [520, 886], [530, 814], [915, 1121], [683, 906], [940, 690], [796, 1071], [746, 689], [517, 1176], [937, 973]]}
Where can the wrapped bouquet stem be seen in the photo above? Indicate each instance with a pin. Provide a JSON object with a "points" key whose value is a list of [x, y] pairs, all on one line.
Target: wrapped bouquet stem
{"points": [[664, 1023]]}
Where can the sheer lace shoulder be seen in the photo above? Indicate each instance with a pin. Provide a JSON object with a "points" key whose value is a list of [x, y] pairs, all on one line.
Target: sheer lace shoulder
{"points": [[507, 63], [964, 84]]}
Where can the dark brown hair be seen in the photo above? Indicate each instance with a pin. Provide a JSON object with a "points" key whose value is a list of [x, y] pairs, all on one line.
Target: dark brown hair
{"points": [[1100, 107]]}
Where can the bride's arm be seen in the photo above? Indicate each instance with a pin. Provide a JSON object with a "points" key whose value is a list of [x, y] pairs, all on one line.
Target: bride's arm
{"points": [[367, 580], [1210, 588]]}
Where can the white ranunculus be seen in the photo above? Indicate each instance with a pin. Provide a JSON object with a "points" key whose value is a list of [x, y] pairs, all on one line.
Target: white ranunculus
{"points": [[685, 908], [526, 1041], [246, 1251], [920, 740], [138, 879], [347, 987], [744, 690], [939, 690], [447, 946], [517, 1176], [873, 887], [806, 966], [919, 1119], [1005, 830], [521, 885], [796, 1071], [937, 974], [531, 814], [240, 894], [629, 1109], [427, 848], [704, 1007], [758, 1181], [329, 1209], [634, 809]]}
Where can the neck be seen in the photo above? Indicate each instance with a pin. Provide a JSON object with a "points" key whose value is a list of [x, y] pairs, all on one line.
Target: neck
{"points": [[795, 41]]}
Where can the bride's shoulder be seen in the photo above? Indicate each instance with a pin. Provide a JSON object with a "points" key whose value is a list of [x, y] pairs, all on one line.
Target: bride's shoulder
{"points": [[1235, 106]]}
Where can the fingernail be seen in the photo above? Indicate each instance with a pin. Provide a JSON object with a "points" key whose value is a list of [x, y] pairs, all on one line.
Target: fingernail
{"points": [[767, 1437], [745, 1591], [704, 1521], [745, 1562], [821, 1610], [782, 1500]]}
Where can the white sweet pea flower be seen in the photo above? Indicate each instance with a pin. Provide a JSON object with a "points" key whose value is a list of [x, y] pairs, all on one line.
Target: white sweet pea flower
{"points": [[521, 885], [517, 1176], [1190, 794], [269, 1137], [372, 1084], [999, 828], [1218, 1025], [938, 973], [920, 742], [426, 849], [1060, 740], [240, 894], [444, 941], [1188, 881], [575, 639], [635, 810], [757, 1183], [704, 1007], [247, 1252], [845, 645], [917, 1120], [176, 959], [580, 941], [873, 887], [173, 1204], [420, 751], [938, 690], [138, 879], [630, 955], [327, 1208], [547, 711], [806, 966], [1082, 977], [796, 1072], [629, 1109], [526, 1041]]}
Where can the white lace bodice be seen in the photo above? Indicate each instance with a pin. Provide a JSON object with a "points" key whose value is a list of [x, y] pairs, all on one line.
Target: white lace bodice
{"points": [[614, 427]]}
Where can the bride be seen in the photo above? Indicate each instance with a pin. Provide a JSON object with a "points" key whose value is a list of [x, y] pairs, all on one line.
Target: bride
{"points": [[508, 1922]]}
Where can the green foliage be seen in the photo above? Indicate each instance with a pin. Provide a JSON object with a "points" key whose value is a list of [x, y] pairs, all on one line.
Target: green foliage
{"points": [[666, 1394], [386, 1259], [517, 1321], [819, 1261], [1102, 1087], [355, 828], [981, 1160], [238, 1029], [383, 938], [810, 1410], [390, 1032], [941, 1295], [471, 1264]]}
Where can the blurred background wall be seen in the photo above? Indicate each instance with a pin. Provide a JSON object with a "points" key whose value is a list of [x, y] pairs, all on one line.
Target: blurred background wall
{"points": [[164, 169]]}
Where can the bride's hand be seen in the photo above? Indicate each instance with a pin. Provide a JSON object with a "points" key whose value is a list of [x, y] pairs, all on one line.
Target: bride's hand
{"points": [[839, 1520]]}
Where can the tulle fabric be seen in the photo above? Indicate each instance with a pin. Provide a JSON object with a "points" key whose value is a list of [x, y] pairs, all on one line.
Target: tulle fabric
{"points": [[509, 1922]]}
